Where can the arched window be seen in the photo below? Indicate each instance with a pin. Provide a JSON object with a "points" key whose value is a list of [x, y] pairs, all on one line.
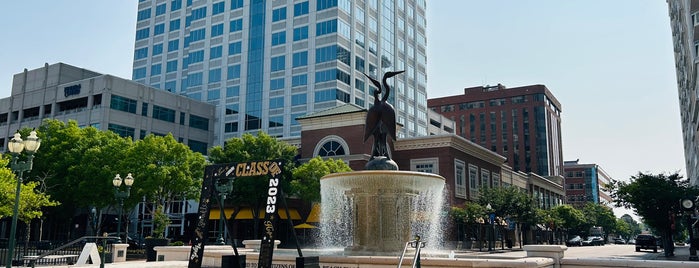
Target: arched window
{"points": [[331, 146]]}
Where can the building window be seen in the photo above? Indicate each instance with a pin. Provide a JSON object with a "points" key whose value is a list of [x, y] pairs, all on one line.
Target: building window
{"points": [[215, 75], [331, 146], [171, 66], [142, 33], [143, 14], [233, 72], [217, 30], [279, 38], [123, 104], [301, 33], [122, 131], [235, 48], [215, 52], [279, 14], [140, 53], [278, 63], [460, 179], [298, 99], [485, 178], [197, 146], [162, 113], [300, 59], [277, 102], [236, 4], [159, 29], [173, 45], [231, 127], [218, 8], [160, 9], [496, 179], [299, 80], [139, 73], [236, 25], [473, 180], [427, 165], [277, 83], [198, 122], [301, 9], [174, 25]]}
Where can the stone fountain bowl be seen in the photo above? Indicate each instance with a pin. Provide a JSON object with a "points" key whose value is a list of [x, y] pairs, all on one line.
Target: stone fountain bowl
{"points": [[383, 180]]}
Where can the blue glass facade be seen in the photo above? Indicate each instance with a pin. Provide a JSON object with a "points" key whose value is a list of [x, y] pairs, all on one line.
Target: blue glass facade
{"points": [[255, 66]]}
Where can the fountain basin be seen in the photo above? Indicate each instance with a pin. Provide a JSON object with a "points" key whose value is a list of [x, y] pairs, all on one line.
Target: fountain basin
{"points": [[378, 211]]}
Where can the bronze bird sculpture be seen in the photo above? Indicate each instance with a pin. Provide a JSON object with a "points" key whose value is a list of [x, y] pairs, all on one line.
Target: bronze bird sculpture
{"points": [[381, 118]]}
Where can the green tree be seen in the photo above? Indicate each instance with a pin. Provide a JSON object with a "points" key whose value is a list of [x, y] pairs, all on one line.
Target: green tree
{"points": [[600, 215], [31, 201], [634, 226], [569, 218], [654, 197], [623, 228], [252, 191], [164, 170], [510, 202], [306, 182], [468, 219], [76, 166]]}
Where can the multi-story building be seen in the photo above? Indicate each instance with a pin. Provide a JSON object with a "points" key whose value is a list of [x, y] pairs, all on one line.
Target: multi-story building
{"points": [[521, 123], [585, 183], [684, 21], [265, 63], [64, 92]]}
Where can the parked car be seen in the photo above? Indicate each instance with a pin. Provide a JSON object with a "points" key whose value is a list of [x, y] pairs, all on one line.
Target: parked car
{"points": [[619, 241], [646, 241], [576, 241], [133, 243], [593, 241]]}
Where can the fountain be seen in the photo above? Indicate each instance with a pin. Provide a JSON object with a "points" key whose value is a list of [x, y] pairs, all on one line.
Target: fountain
{"points": [[377, 210]]}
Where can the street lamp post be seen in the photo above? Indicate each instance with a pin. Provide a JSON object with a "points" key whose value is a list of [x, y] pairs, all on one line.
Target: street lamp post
{"points": [[120, 196], [491, 220], [16, 146], [223, 186], [93, 217]]}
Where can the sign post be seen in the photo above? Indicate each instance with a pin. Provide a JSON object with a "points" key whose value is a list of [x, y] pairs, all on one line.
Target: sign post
{"points": [[272, 169]]}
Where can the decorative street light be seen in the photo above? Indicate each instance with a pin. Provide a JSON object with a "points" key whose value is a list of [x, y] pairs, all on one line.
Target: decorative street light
{"points": [[93, 217], [491, 220], [120, 196], [16, 146], [223, 186]]}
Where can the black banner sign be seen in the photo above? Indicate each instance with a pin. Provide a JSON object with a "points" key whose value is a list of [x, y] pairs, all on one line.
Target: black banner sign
{"points": [[212, 173]]}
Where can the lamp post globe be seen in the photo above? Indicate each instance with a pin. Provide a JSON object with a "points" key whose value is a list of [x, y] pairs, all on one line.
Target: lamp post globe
{"points": [[16, 146], [120, 196]]}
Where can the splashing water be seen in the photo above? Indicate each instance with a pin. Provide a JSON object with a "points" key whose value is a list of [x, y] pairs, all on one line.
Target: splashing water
{"points": [[381, 210]]}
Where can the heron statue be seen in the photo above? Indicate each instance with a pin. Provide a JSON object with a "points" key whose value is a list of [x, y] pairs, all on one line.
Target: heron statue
{"points": [[381, 119]]}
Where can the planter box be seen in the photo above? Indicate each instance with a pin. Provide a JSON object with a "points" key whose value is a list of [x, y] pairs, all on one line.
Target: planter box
{"points": [[154, 242]]}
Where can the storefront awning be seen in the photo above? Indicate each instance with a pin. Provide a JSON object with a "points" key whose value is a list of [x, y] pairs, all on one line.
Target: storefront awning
{"points": [[246, 214], [314, 215]]}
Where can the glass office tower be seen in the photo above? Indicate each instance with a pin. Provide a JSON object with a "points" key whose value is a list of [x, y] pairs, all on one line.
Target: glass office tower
{"points": [[264, 63]]}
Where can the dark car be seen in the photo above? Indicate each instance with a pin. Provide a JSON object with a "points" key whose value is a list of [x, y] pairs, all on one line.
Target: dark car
{"points": [[133, 243], [574, 242], [646, 241]]}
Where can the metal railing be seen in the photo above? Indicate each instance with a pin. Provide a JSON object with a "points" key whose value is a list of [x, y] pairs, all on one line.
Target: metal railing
{"points": [[417, 245], [35, 252]]}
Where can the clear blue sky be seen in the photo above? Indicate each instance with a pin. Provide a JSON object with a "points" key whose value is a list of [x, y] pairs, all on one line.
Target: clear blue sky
{"points": [[610, 63]]}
